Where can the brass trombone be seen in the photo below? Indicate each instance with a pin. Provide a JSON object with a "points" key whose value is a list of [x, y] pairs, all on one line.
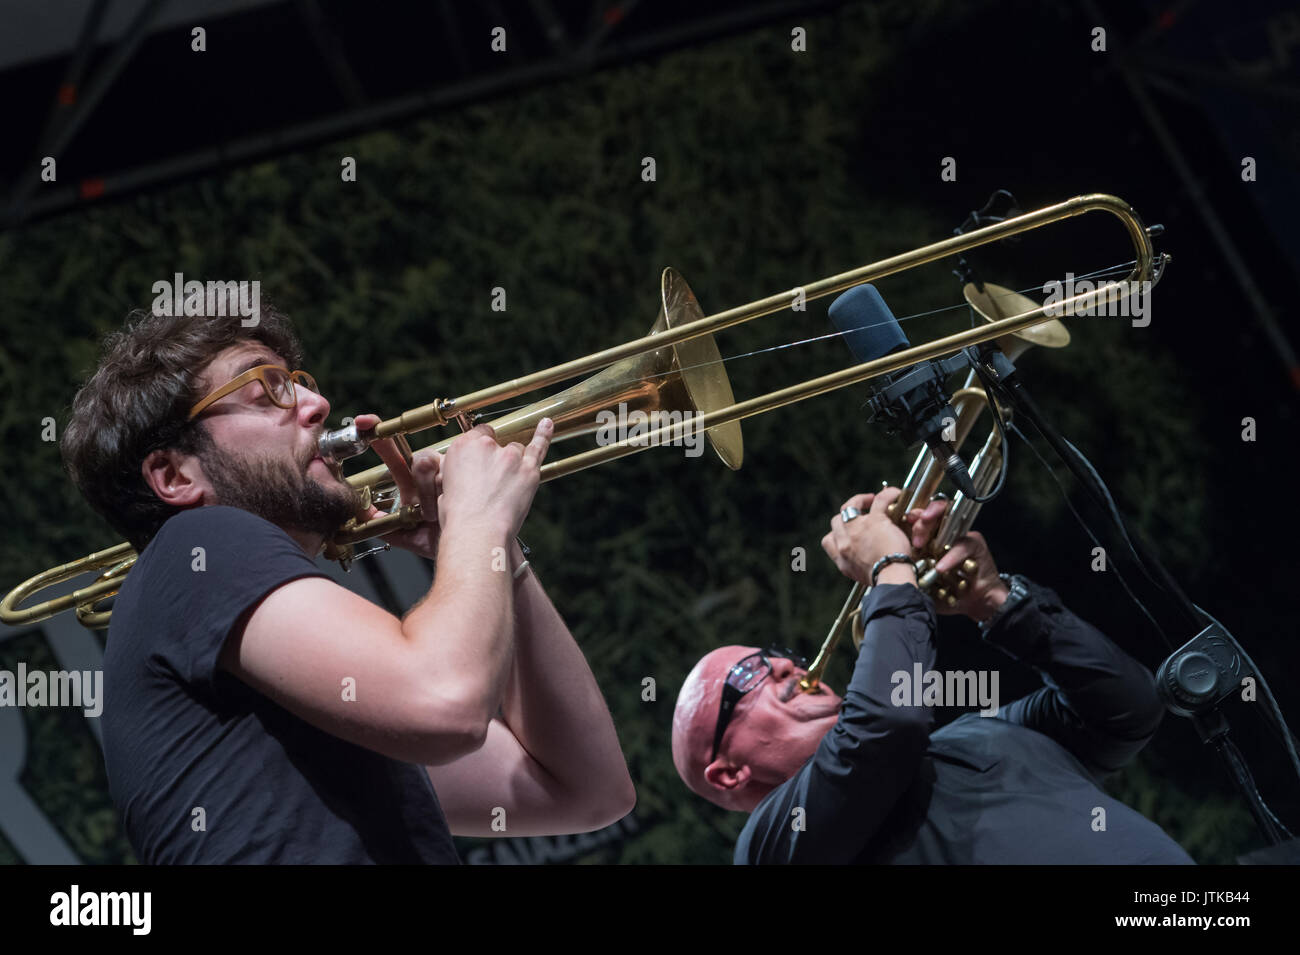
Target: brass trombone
{"points": [[681, 346]]}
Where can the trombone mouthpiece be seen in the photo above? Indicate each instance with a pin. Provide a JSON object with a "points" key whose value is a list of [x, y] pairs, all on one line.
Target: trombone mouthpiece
{"points": [[337, 446]]}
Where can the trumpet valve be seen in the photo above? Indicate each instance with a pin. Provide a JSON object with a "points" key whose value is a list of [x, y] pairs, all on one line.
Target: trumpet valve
{"points": [[968, 566], [945, 596]]}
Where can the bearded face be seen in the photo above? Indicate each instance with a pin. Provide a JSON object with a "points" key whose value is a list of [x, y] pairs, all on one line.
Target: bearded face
{"points": [[281, 491]]}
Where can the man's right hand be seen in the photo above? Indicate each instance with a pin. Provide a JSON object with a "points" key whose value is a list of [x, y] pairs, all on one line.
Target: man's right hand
{"points": [[487, 485], [435, 677], [856, 545]]}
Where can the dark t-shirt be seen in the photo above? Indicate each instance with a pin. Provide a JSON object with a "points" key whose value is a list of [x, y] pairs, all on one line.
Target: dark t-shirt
{"points": [[1018, 787], [182, 735]]}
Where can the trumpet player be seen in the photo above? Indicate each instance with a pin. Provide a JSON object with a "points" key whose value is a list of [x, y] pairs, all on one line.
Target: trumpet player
{"points": [[256, 711], [865, 778]]}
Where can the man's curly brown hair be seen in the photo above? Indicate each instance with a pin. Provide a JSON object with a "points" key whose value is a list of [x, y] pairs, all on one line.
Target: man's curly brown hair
{"points": [[149, 376]]}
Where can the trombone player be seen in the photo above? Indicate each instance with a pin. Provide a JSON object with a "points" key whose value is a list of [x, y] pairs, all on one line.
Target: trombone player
{"points": [[860, 779], [257, 712]]}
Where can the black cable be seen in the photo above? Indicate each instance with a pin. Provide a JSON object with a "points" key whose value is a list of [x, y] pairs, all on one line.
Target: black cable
{"points": [[1274, 830], [1274, 711], [1268, 822], [977, 219], [1036, 418], [1095, 488], [996, 411], [1137, 547], [1093, 537], [1112, 508]]}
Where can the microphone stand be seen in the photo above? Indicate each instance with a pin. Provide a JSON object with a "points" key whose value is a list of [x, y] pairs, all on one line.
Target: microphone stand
{"points": [[1200, 675]]}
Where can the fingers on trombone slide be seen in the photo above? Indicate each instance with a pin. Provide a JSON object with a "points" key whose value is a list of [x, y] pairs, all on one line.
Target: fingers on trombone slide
{"points": [[396, 453]]}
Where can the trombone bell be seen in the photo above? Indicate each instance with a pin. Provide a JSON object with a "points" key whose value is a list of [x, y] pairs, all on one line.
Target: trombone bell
{"points": [[687, 377]]}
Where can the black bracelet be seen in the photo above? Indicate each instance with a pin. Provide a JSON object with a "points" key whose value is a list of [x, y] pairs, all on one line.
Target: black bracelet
{"points": [[880, 565]]}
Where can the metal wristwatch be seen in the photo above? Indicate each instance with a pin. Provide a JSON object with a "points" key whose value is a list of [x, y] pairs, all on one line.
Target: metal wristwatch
{"points": [[1016, 592]]}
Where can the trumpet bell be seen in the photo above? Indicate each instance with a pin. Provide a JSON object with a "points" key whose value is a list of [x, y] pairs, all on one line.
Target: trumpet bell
{"points": [[997, 302]]}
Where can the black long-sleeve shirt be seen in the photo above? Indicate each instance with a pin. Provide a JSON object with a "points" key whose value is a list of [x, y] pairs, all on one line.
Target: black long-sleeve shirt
{"points": [[1018, 787]]}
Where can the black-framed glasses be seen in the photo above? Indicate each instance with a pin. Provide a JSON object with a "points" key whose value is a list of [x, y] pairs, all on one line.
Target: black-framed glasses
{"points": [[745, 675]]}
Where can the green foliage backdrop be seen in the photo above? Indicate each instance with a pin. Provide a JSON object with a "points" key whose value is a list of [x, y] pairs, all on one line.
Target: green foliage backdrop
{"points": [[655, 559]]}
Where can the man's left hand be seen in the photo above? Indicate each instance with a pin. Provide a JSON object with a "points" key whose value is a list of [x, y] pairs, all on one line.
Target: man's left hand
{"points": [[423, 486], [985, 590]]}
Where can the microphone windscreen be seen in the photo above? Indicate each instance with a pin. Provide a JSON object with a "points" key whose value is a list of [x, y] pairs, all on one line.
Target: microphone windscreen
{"points": [[866, 323]]}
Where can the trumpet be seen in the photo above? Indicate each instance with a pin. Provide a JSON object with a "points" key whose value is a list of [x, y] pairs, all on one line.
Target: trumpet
{"points": [[991, 302], [675, 367]]}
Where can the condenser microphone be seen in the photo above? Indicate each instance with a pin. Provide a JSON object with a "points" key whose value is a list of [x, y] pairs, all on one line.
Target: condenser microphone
{"points": [[912, 402]]}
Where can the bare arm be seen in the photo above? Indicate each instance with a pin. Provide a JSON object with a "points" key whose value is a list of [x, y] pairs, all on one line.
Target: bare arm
{"points": [[419, 692], [424, 689], [552, 759]]}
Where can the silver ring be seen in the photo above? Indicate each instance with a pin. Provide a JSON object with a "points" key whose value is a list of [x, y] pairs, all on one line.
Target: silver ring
{"points": [[849, 513]]}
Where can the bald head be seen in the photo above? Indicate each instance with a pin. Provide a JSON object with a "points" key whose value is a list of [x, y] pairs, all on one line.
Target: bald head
{"points": [[773, 730], [696, 716]]}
